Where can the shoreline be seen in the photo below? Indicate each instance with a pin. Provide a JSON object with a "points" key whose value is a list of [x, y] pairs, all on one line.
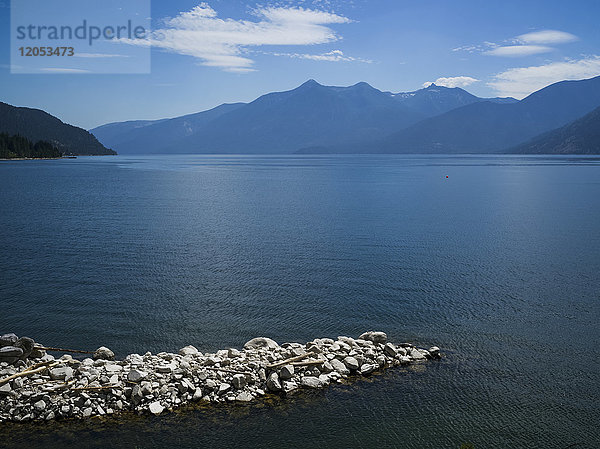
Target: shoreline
{"points": [[43, 388], [32, 158], [37, 158]]}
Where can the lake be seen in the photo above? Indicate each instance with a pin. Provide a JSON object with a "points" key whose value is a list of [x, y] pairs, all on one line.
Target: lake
{"points": [[495, 259]]}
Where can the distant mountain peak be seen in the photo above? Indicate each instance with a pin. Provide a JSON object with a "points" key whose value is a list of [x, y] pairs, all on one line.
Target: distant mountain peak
{"points": [[310, 83]]}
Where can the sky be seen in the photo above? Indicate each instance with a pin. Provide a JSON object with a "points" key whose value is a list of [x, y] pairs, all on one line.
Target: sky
{"points": [[202, 54]]}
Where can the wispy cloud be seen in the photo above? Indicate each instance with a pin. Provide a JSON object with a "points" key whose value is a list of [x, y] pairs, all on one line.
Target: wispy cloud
{"points": [[333, 56], [225, 43], [99, 55], [520, 82], [547, 37], [453, 81], [519, 50], [62, 70], [536, 42]]}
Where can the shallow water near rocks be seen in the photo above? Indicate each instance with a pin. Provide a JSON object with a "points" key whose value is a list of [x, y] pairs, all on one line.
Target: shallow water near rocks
{"points": [[497, 264]]}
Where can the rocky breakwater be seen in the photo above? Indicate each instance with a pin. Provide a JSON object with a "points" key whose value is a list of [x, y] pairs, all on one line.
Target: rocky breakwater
{"points": [[45, 387]]}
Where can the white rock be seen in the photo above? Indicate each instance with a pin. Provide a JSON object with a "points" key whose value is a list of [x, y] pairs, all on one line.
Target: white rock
{"points": [[351, 363], [62, 373], [375, 337], [367, 369], [136, 375], [197, 395], [244, 396], [134, 359], [233, 353], [113, 368], [224, 388], [289, 385], [188, 350], [39, 406], [261, 342], [416, 354], [311, 382], [156, 408], [339, 367]]}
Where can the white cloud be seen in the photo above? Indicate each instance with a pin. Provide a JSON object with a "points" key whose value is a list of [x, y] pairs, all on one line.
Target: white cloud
{"points": [[547, 37], [333, 56], [526, 44], [225, 43], [520, 82], [519, 50], [453, 81]]}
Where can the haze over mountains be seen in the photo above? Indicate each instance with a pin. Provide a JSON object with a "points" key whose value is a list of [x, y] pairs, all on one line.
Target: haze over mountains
{"points": [[313, 118], [487, 127], [37, 125], [285, 122], [579, 137]]}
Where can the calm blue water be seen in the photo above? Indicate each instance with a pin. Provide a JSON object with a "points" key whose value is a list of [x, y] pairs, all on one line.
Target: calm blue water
{"points": [[498, 264]]}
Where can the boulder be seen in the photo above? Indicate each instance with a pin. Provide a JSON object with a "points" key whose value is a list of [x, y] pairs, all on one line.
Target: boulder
{"points": [[113, 368], [286, 372], [197, 394], [289, 385], [134, 359], [367, 369], [311, 382], [103, 353], [239, 381], [5, 389], [261, 342], [351, 363], [37, 352], [375, 337], [224, 388], [416, 354], [244, 396], [390, 350], [26, 344], [156, 408], [188, 350], [339, 367], [8, 340], [61, 373], [136, 375], [434, 351], [273, 383], [11, 351], [39, 406], [233, 353]]}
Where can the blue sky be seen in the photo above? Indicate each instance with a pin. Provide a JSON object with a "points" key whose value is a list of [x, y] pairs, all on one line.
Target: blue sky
{"points": [[205, 54]]}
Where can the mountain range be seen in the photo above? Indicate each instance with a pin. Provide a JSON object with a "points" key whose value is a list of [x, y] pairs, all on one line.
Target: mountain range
{"points": [[285, 122], [37, 125], [559, 119], [579, 137], [488, 127]]}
